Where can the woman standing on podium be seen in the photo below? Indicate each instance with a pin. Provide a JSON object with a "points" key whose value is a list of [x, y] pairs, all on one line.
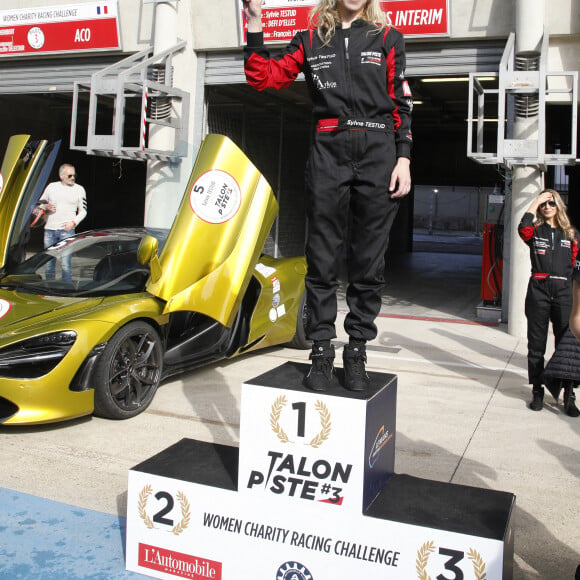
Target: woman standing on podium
{"points": [[358, 167]]}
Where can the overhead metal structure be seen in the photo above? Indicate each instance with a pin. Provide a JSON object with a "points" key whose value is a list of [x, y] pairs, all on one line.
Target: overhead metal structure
{"points": [[143, 80], [522, 85]]}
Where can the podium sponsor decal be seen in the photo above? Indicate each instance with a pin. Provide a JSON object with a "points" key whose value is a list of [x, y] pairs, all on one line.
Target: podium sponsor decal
{"points": [[178, 564], [282, 19], [382, 438], [293, 571], [87, 27]]}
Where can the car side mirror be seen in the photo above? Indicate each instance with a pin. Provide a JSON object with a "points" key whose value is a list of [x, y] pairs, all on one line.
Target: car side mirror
{"points": [[147, 254]]}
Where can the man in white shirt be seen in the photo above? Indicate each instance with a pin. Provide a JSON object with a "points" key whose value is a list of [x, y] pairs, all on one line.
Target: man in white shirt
{"points": [[65, 204]]}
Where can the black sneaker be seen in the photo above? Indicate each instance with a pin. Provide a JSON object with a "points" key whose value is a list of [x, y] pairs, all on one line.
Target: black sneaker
{"points": [[538, 398], [355, 375], [321, 376]]}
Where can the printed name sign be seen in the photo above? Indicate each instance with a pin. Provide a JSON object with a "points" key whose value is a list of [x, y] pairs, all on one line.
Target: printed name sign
{"points": [[282, 19], [59, 29]]}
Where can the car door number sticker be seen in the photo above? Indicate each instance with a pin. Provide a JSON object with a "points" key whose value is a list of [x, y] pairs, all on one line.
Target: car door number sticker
{"points": [[215, 197]]}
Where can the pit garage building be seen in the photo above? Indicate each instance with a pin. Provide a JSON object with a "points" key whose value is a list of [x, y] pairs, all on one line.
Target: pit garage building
{"points": [[131, 87]]}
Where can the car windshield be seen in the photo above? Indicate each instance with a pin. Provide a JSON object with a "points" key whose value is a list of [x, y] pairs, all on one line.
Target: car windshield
{"points": [[97, 263]]}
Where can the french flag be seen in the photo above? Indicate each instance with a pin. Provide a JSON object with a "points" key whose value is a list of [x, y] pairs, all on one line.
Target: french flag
{"points": [[102, 10]]}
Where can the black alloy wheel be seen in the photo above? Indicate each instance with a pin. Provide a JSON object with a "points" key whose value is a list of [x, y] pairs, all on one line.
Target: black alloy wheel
{"points": [[128, 372]]}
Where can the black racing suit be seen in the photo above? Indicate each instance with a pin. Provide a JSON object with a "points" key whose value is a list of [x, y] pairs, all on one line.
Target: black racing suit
{"points": [[549, 296], [362, 108]]}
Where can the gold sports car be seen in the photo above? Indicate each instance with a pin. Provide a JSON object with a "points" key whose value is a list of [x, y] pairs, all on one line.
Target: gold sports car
{"points": [[142, 305]]}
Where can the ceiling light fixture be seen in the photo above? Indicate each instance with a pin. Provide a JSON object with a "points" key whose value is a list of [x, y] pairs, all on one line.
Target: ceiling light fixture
{"points": [[454, 79], [445, 80]]}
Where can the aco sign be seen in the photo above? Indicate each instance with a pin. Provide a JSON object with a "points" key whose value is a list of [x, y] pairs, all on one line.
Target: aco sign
{"points": [[59, 29]]}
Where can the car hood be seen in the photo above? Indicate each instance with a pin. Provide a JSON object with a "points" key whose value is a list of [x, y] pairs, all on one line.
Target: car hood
{"points": [[218, 235], [24, 173], [21, 309]]}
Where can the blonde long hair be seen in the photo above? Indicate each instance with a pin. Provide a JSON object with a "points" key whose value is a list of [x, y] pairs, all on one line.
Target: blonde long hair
{"points": [[325, 16], [562, 219]]}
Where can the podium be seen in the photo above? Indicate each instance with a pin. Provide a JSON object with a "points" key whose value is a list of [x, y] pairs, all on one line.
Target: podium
{"points": [[310, 494]]}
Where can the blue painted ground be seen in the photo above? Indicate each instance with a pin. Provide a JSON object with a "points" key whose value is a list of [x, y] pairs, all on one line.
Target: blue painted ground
{"points": [[43, 539]]}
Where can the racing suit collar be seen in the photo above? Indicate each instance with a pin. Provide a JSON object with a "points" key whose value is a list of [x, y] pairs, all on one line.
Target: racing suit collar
{"points": [[357, 22]]}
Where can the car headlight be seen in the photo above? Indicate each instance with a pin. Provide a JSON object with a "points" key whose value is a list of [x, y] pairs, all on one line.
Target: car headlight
{"points": [[36, 356]]}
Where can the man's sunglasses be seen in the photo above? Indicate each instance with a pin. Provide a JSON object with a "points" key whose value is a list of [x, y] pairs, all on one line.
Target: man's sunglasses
{"points": [[71, 175], [551, 203]]}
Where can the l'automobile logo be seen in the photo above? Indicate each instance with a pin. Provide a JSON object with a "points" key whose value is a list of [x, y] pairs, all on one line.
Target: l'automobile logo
{"points": [[215, 196], [179, 564]]}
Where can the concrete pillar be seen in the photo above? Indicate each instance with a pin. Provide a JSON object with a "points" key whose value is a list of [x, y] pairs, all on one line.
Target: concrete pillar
{"points": [[166, 182], [527, 181]]}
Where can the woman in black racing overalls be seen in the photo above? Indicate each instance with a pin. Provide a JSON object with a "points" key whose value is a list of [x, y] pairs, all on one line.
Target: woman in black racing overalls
{"points": [[358, 167], [553, 243]]}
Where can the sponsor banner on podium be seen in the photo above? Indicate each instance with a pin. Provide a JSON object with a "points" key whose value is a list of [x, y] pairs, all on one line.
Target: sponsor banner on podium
{"points": [[178, 529], [282, 19], [92, 26]]}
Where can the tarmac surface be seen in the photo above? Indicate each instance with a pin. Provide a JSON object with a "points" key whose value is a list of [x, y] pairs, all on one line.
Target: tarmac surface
{"points": [[462, 417]]}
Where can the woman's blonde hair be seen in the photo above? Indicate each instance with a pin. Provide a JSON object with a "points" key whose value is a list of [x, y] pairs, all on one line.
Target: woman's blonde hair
{"points": [[325, 16], [562, 219]]}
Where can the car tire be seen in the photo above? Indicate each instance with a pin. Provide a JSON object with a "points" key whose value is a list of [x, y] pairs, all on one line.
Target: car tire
{"points": [[128, 372], [300, 340]]}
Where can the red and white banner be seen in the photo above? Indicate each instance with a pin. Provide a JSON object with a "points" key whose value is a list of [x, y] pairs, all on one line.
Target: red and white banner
{"points": [[281, 19], [57, 29]]}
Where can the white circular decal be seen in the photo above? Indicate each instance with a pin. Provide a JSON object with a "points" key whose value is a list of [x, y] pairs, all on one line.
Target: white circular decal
{"points": [[4, 307], [35, 37], [215, 197], [273, 315]]}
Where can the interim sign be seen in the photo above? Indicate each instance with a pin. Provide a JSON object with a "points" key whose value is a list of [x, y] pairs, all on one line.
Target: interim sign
{"points": [[282, 19], [58, 29]]}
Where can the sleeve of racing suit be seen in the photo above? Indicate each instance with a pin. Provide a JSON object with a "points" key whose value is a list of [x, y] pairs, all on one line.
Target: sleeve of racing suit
{"points": [[575, 249], [526, 228], [399, 91], [264, 71]]}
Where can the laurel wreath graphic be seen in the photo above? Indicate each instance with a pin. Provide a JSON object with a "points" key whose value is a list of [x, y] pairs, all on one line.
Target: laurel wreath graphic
{"points": [[478, 564], [275, 413], [185, 514], [429, 547], [142, 505], [183, 502], [325, 423], [422, 558]]}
